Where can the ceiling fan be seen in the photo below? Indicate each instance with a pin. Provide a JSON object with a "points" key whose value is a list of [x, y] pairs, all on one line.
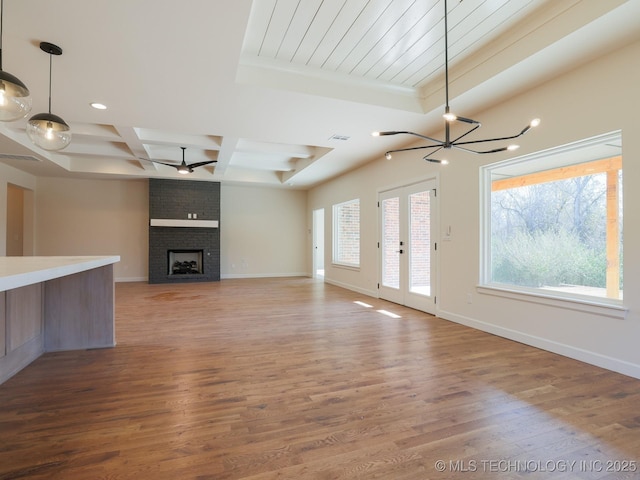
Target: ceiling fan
{"points": [[185, 168]]}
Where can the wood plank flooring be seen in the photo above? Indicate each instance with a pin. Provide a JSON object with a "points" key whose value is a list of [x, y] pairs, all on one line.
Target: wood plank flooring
{"points": [[289, 378]]}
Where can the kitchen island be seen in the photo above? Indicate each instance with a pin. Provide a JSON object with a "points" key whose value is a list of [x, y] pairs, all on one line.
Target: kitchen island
{"points": [[50, 304]]}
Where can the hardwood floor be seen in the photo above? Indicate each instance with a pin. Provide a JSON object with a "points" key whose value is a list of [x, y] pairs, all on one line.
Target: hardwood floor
{"points": [[291, 379]]}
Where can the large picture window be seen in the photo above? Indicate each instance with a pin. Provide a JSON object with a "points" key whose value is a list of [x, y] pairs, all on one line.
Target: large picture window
{"points": [[553, 221], [346, 233]]}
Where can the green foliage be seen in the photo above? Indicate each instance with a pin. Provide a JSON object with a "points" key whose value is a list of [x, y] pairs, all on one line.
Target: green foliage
{"points": [[547, 259]]}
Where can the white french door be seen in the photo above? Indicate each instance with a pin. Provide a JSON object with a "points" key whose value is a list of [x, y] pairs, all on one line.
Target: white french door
{"points": [[408, 220]]}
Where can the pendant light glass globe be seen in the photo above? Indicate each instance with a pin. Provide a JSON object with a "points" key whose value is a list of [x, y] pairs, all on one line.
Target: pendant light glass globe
{"points": [[49, 131], [46, 130], [15, 100]]}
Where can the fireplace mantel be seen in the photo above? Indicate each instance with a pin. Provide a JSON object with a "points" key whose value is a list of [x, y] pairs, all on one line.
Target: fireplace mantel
{"points": [[177, 222]]}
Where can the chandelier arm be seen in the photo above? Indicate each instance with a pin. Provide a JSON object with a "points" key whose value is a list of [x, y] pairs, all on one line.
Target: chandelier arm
{"points": [[497, 139], [428, 156], [481, 152], [467, 120], [405, 132], [440, 144], [453, 142]]}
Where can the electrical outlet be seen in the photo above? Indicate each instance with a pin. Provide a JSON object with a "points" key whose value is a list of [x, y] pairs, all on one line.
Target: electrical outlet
{"points": [[469, 298]]}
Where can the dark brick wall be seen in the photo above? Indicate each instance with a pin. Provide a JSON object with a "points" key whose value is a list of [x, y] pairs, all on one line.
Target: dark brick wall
{"points": [[175, 199]]}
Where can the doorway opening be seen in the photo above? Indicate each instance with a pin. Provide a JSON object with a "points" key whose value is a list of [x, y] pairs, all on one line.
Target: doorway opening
{"points": [[20, 215], [318, 243]]}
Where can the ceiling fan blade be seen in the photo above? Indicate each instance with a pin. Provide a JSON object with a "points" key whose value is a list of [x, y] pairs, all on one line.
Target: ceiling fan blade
{"points": [[167, 164], [200, 164]]}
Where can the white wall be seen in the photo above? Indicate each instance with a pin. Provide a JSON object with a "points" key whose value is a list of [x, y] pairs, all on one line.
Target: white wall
{"points": [[597, 98], [263, 232], [95, 217]]}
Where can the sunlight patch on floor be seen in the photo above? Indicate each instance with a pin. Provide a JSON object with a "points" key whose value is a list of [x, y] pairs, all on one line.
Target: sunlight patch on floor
{"points": [[362, 304]]}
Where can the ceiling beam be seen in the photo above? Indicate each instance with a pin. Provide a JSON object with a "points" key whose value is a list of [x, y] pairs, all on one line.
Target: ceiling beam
{"points": [[130, 137]]}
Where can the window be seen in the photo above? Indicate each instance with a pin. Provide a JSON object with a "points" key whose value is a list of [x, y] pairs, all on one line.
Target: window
{"points": [[346, 233], [553, 221]]}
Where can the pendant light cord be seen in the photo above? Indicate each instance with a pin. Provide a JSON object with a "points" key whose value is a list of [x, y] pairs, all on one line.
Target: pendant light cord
{"points": [[1, 18], [446, 58], [50, 70], [447, 128]]}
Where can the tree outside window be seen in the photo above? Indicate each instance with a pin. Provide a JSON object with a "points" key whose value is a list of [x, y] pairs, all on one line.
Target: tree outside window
{"points": [[560, 228]]}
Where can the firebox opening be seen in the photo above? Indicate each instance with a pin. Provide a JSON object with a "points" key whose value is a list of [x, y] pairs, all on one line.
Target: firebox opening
{"points": [[185, 262]]}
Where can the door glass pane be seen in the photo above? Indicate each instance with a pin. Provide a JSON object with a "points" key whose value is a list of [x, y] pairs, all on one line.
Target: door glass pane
{"points": [[391, 242], [420, 243]]}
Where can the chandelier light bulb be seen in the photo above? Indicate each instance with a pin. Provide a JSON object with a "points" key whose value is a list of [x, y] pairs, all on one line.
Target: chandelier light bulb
{"points": [[49, 133], [535, 122], [450, 117], [511, 148]]}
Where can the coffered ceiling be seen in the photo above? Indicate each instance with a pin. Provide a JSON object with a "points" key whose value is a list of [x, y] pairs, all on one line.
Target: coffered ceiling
{"points": [[280, 92]]}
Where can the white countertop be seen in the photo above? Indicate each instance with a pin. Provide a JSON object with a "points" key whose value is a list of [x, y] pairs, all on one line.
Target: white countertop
{"points": [[20, 271]]}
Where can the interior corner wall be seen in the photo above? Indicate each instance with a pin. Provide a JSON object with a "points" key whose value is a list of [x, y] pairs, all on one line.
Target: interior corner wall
{"points": [[263, 232], [95, 217], [9, 175], [599, 97]]}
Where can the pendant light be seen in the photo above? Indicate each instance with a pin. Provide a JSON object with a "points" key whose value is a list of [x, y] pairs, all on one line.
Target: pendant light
{"points": [[46, 130], [15, 100], [448, 143]]}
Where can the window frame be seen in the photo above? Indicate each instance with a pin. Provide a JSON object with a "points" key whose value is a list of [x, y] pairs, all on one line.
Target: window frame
{"points": [[335, 250], [581, 302]]}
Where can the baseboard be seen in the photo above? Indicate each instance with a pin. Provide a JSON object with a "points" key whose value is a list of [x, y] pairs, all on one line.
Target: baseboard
{"points": [[592, 358], [131, 279], [261, 275], [353, 288]]}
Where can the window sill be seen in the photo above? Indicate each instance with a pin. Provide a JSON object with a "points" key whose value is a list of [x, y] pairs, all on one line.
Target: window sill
{"points": [[605, 307], [355, 268]]}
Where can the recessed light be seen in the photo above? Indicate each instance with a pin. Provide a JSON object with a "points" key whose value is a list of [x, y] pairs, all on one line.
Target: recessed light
{"points": [[99, 106]]}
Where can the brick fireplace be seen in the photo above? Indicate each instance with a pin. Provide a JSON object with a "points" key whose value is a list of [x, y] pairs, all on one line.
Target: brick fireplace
{"points": [[184, 234]]}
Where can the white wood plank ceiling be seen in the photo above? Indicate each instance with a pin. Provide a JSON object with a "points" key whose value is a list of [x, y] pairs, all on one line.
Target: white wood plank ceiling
{"points": [[398, 42], [281, 93]]}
